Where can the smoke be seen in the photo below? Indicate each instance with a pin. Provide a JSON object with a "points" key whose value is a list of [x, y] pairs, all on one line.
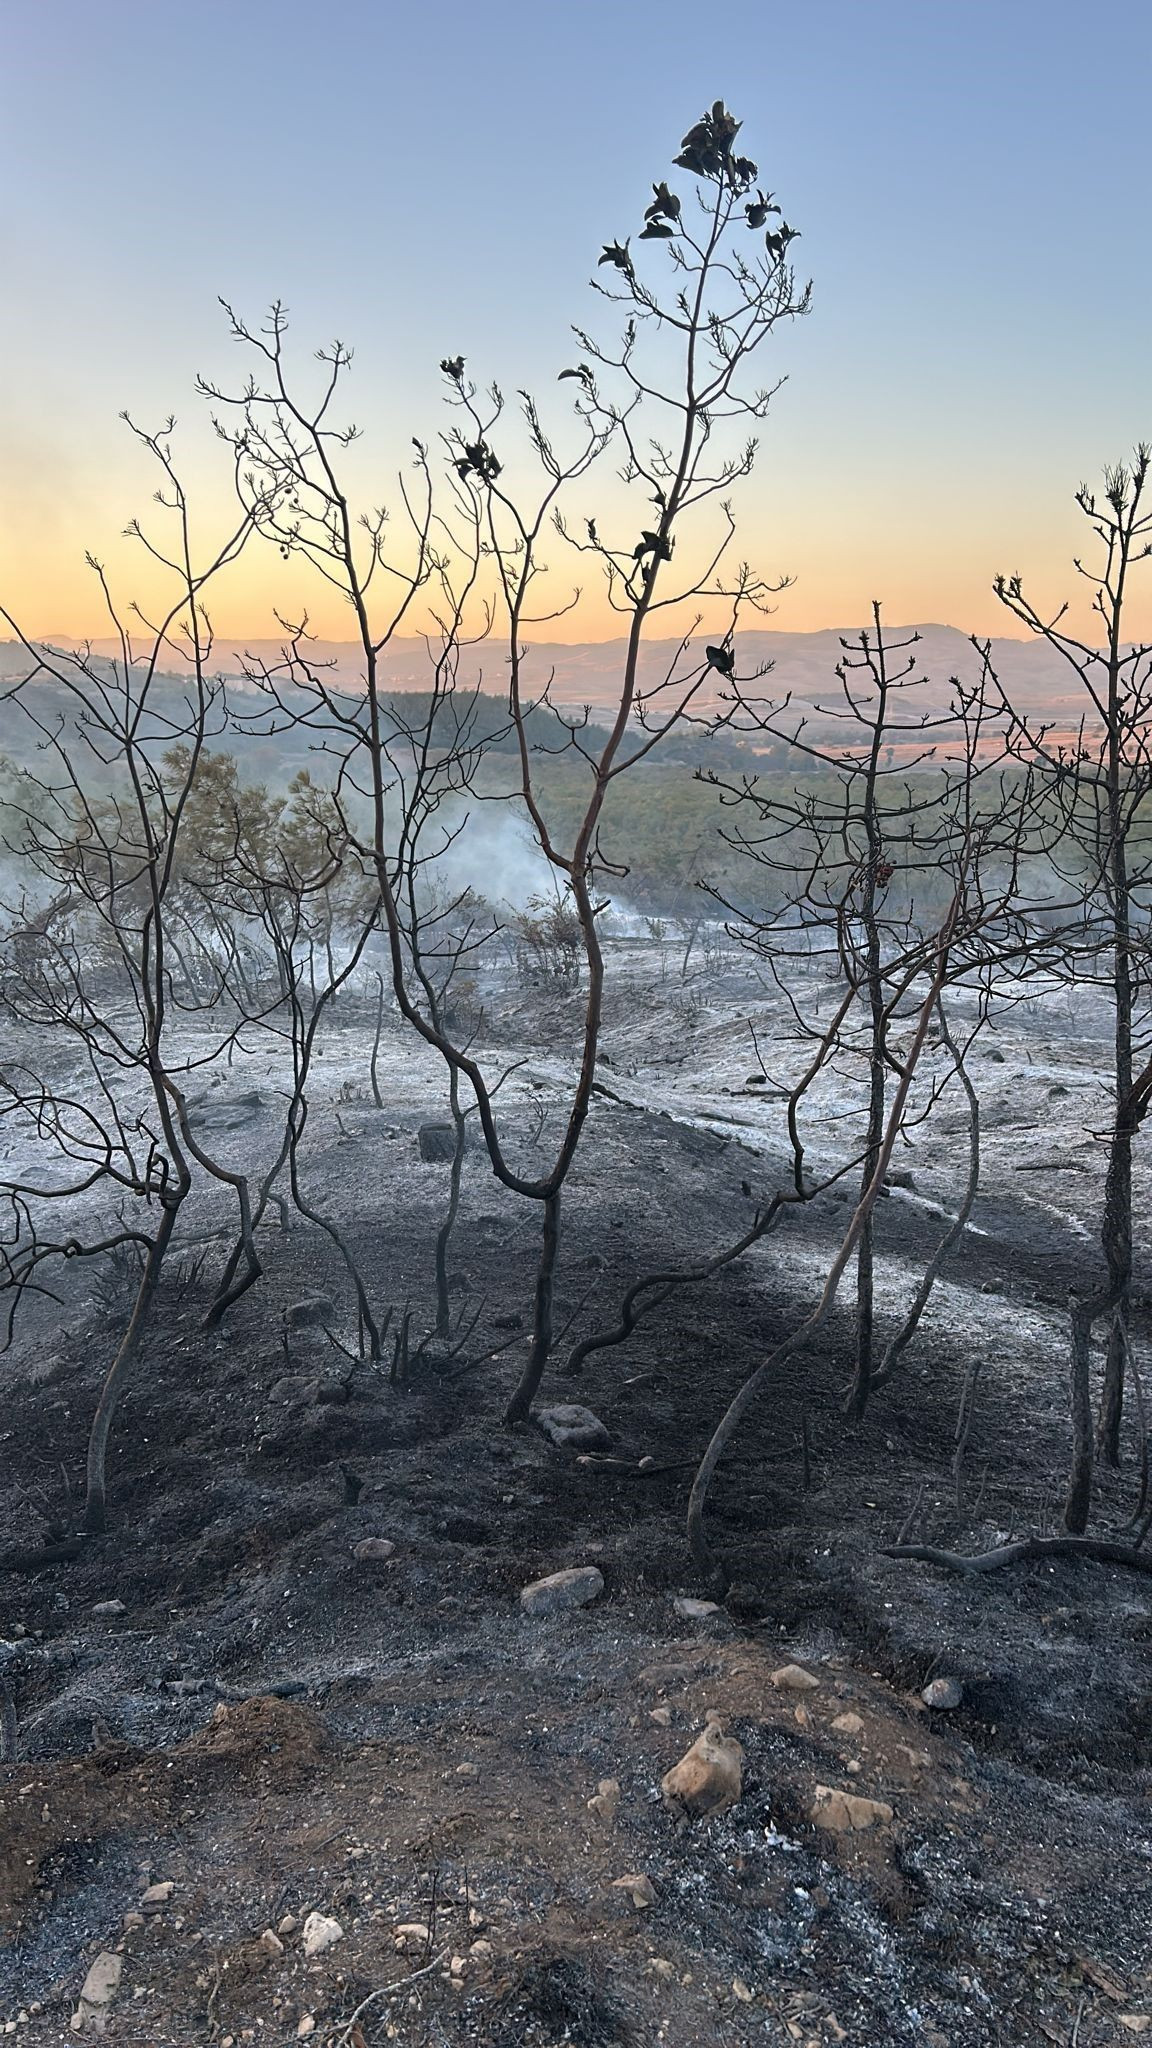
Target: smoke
{"points": [[496, 856]]}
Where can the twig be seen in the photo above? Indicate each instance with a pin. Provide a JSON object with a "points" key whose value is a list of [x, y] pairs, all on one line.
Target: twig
{"points": [[386, 1991], [909, 1522], [964, 1421]]}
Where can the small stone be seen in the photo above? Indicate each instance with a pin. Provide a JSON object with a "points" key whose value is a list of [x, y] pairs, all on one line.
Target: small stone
{"points": [[848, 1724], [131, 1920], [321, 1932], [157, 1896], [695, 1610], [373, 1550], [99, 1989], [742, 1991], [288, 1924], [794, 1678], [413, 1934], [944, 1694], [1134, 2022], [272, 1942], [467, 1770], [307, 2026], [457, 1966], [573, 1428], [639, 1888], [659, 1966], [480, 1949], [660, 1676], [605, 1799], [560, 1592], [846, 1812], [109, 1607], [708, 1778], [662, 1716]]}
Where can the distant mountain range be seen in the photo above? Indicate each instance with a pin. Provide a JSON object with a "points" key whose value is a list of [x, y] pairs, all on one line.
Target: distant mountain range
{"points": [[802, 666]]}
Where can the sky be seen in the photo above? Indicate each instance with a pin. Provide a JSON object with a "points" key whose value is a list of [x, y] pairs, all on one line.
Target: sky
{"points": [[969, 179]]}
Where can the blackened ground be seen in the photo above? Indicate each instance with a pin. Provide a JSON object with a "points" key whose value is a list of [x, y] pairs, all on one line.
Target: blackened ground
{"points": [[276, 1726]]}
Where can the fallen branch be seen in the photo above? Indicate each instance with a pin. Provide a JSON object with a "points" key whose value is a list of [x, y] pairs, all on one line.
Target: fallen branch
{"points": [[35, 1560], [1091, 1548]]}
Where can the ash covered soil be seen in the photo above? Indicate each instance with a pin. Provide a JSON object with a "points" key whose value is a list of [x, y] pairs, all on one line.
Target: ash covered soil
{"points": [[222, 1699]]}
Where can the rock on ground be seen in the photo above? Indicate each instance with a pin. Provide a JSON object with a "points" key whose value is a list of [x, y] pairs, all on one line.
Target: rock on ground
{"points": [[321, 1932], [695, 1610], [437, 1143], [794, 1678], [560, 1592], [709, 1777], [943, 1694], [100, 1988], [846, 1812], [573, 1428]]}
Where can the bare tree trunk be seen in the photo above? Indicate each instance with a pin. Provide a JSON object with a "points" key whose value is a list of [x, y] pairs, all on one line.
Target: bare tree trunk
{"points": [[95, 1504], [861, 1386], [725, 1429], [1116, 1229], [1078, 1499], [862, 1378], [376, 1333], [444, 1234], [1112, 1392], [520, 1406], [377, 1098], [952, 1236]]}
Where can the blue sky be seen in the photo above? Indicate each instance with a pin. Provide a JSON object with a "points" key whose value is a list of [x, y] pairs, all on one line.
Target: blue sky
{"points": [[970, 181]]}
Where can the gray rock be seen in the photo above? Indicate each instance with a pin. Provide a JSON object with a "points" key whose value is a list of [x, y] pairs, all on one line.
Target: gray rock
{"points": [[696, 1610], [560, 1592], [373, 1550], [100, 1988], [572, 1427], [437, 1143], [315, 1309], [226, 1113], [943, 1694]]}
